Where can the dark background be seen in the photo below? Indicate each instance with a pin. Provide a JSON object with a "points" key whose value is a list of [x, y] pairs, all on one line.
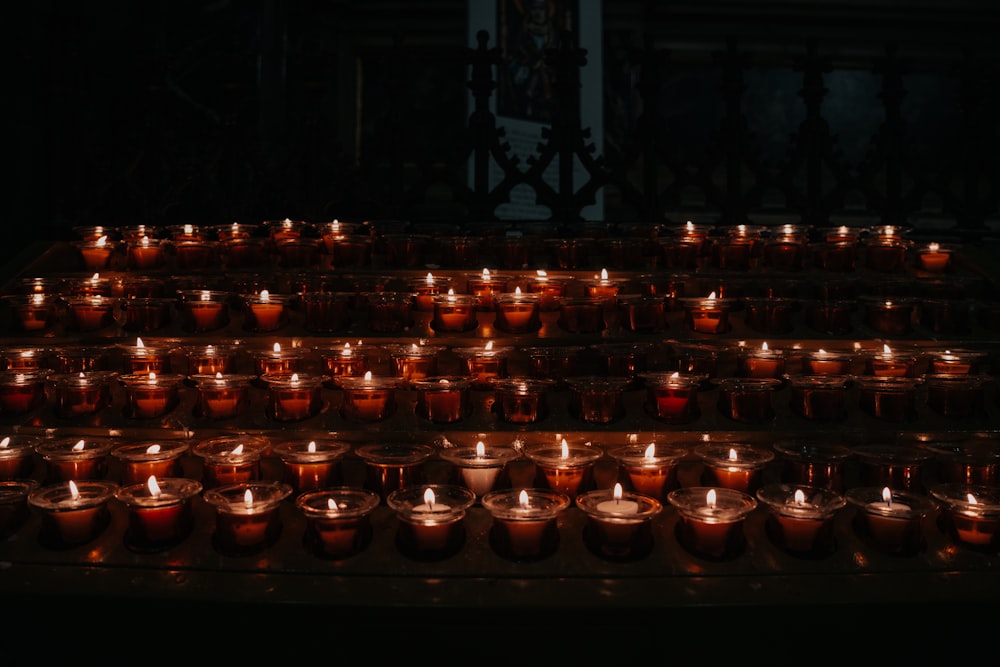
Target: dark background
{"points": [[215, 111]]}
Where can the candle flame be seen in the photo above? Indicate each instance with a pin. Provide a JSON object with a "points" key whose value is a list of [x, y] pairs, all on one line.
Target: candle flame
{"points": [[451, 292], [5, 441], [37, 299], [800, 497], [971, 499], [618, 492], [153, 449], [429, 498], [311, 447], [650, 451], [541, 273], [480, 449], [152, 377], [763, 346], [145, 241], [517, 290], [295, 377], [248, 498], [522, 499], [712, 295], [489, 345], [331, 504], [689, 226], [486, 274], [732, 454], [139, 343], [843, 230], [933, 247], [154, 488], [604, 274], [189, 230], [218, 375], [277, 347], [886, 350], [675, 375], [206, 295], [429, 279], [103, 241], [887, 495], [565, 449], [368, 376], [238, 450], [79, 446], [710, 498], [73, 491], [265, 296], [95, 278]]}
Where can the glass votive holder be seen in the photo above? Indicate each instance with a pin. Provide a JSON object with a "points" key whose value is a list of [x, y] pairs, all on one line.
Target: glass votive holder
{"points": [[571, 253], [886, 255], [443, 399], [762, 362], [484, 363], [293, 397], [734, 252], [747, 400], [138, 461], [460, 251], [221, 396], [829, 316], [22, 392], [145, 254], [642, 314], [597, 399], [244, 252], [338, 520], [708, 315], [710, 520], [454, 313], [80, 394], [785, 252], [517, 312], [196, 254], [140, 359], [95, 285], [230, 459], [513, 252], [74, 458], [889, 363], [839, 256], [14, 510], [24, 359], [210, 359], [431, 519], [301, 252], [733, 465], [626, 252], [414, 361], [146, 314], [391, 311], [890, 520], [525, 522], [945, 316], [890, 317], [818, 397], [423, 290], [338, 360], [326, 312], [822, 362], [619, 522], [970, 514], [955, 361], [550, 289], [817, 464], [555, 363], [892, 399], [801, 518], [480, 468], [672, 397], [565, 467], [73, 512], [520, 400], [392, 466], [247, 516], [682, 253], [151, 396], [159, 512], [33, 313], [770, 315], [264, 311], [79, 359], [88, 314], [624, 360], [934, 258], [202, 311], [95, 253], [368, 398], [604, 288], [897, 466], [649, 469], [583, 314], [17, 456], [486, 286], [667, 286], [310, 465], [278, 360], [959, 463], [956, 396]]}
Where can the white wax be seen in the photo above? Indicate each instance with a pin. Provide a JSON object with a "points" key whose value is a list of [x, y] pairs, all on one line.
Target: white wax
{"points": [[436, 507], [618, 507], [480, 480]]}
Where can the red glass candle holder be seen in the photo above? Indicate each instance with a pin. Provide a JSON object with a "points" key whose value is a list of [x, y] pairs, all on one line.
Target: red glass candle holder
{"points": [[841, 256], [604, 288], [444, 399], [91, 313], [733, 466], [747, 400], [74, 458], [890, 317], [818, 397], [520, 400], [962, 463], [513, 252], [79, 359], [196, 254], [138, 461], [956, 396], [280, 230], [414, 362], [801, 518], [22, 392], [342, 360], [391, 466], [970, 514], [649, 469], [391, 312], [480, 468], [762, 362], [338, 520], [17, 456], [707, 315], [890, 520], [945, 316], [326, 312], [80, 394], [734, 252], [95, 285], [897, 466], [210, 359], [770, 315], [293, 397], [24, 359], [405, 251], [891, 399], [955, 361], [671, 288], [247, 516], [555, 363], [280, 360], [525, 522], [571, 253], [265, 312], [243, 253], [159, 512], [889, 363], [302, 252], [368, 398], [74, 512], [619, 523], [454, 313], [934, 258], [310, 465], [818, 464], [832, 317], [146, 314], [221, 396], [486, 286], [581, 314], [423, 290], [886, 255], [548, 288], [142, 359], [673, 397], [431, 519], [564, 467], [642, 314], [693, 358], [626, 253], [823, 362], [202, 311], [682, 254], [33, 313], [517, 312], [711, 521], [484, 364], [145, 254], [14, 510], [597, 399], [96, 254], [230, 459], [151, 396]]}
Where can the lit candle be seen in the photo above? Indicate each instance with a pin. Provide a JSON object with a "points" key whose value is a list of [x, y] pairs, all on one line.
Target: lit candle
{"points": [[650, 469], [618, 522], [71, 458], [22, 391], [159, 512], [602, 287], [479, 467], [971, 512], [673, 397], [549, 289], [204, 310], [228, 460], [74, 513], [517, 312], [141, 460], [823, 362], [711, 520], [454, 313], [96, 253], [431, 519], [368, 398], [80, 394], [891, 521], [934, 258], [563, 467], [485, 287], [267, 312], [343, 361], [738, 467], [525, 526], [338, 523], [801, 518], [17, 457], [443, 400], [484, 363], [248, 519], [151, 396], [311, 465], [709, 315], [144, 254], [762, 363], [293, 397], [221, 396]]}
